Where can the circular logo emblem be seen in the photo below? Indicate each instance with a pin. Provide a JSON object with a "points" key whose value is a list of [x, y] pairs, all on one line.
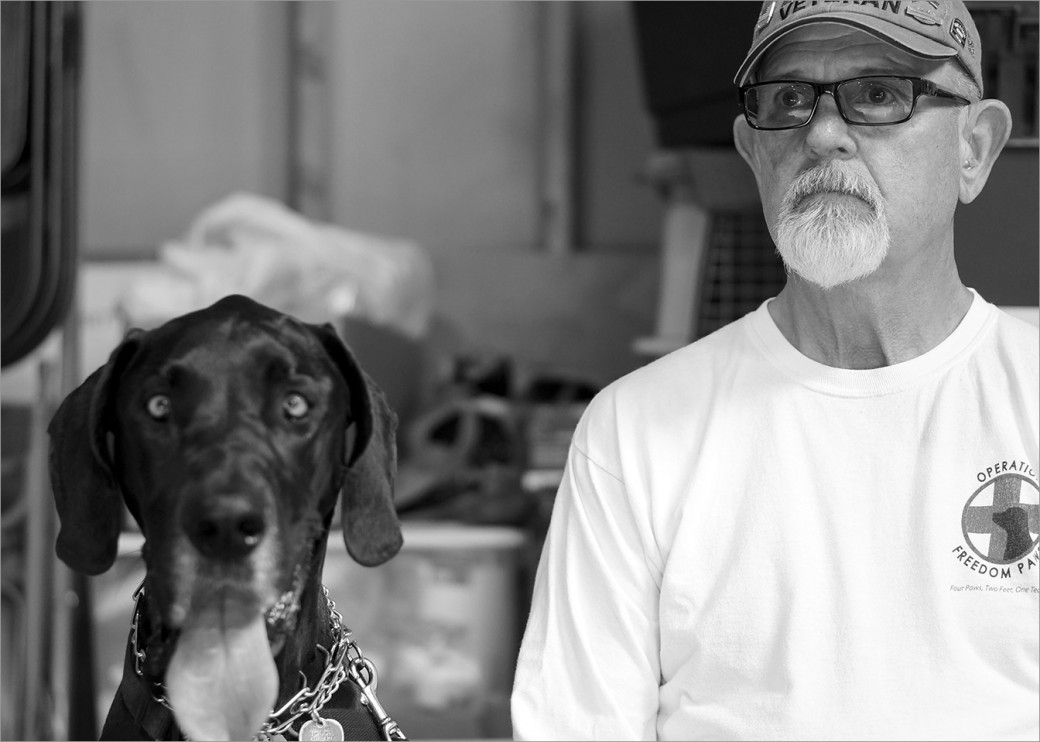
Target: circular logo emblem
{"points": [[1001, 520]]}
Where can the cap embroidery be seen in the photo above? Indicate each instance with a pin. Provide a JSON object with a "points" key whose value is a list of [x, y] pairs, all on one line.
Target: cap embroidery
{"points": [[789, 8], [926, 13], [764, 17], [958, 32]]}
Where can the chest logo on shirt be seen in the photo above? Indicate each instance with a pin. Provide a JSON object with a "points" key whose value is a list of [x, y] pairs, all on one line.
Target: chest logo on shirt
{"points": [[1001, 522]]}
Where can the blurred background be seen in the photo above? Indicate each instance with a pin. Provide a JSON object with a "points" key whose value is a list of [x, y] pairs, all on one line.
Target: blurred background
{"points": [[503, 206]]}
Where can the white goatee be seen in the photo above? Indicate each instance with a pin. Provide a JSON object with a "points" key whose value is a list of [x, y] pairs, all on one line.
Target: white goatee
{"points": [[831, 242]]}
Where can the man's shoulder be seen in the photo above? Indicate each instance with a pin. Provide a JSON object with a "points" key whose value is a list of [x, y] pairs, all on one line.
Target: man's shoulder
{"points": [[665, 394], [1016, 346], [1017, 328], [698, 364]]}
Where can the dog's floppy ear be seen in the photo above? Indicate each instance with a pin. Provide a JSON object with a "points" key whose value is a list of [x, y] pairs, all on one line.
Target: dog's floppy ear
{"points": [[371, 529], [82, 474]]}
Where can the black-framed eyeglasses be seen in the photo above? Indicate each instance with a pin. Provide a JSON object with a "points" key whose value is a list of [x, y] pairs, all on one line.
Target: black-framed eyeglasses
{"points": [[874, 100]]}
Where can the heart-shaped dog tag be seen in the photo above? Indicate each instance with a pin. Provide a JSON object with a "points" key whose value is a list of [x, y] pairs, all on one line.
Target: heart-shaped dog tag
{"points": [[321, 729]]}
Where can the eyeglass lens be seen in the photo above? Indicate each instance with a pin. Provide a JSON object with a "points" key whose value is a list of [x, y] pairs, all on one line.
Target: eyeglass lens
{"points": [[874, 100]]}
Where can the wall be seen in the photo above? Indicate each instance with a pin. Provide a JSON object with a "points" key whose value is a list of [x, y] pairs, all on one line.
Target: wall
{"points": [[435, 122], [182, 103]]}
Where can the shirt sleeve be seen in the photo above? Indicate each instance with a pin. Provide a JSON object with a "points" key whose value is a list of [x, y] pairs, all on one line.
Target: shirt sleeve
{"points": [[589, 662]]}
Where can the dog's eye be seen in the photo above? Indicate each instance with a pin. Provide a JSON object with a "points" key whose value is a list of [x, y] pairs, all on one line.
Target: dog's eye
{"points": [[158, 406], [295, 406]]}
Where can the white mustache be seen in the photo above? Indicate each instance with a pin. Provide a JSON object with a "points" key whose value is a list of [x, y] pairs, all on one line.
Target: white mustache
{"points": [[831, 177]]}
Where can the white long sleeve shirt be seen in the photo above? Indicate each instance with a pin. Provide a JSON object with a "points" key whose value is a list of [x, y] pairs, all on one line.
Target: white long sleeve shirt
{"points": [[748, 544]]}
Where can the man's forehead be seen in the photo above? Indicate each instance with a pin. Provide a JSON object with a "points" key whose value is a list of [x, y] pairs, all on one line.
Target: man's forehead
{"points": [[835, 44]]}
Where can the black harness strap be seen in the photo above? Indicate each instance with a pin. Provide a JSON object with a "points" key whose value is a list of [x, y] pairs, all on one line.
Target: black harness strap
{"points": [[356, 724], [135, 714], [345, 706]]}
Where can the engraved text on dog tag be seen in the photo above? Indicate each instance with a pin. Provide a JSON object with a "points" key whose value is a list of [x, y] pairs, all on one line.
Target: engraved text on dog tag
{"points": [[322, 729]]}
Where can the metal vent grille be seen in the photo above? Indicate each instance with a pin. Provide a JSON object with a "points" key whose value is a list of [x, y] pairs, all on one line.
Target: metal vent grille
{"points": [[1010, 35], [742, 271]]}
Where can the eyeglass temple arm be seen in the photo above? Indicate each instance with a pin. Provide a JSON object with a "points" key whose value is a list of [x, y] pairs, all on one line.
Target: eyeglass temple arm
{"points": [[930, 88]]}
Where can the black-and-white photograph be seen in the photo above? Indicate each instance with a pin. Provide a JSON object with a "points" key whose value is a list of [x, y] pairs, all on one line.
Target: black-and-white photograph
{"points": [[520, 370]]}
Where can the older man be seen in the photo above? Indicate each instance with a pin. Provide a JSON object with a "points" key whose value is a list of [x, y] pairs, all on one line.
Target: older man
{"points": [[821, 521]]}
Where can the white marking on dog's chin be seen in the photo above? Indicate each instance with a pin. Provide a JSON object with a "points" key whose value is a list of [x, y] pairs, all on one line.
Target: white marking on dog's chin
{"points": [[195, 579], [265, 561], [185, 569]]}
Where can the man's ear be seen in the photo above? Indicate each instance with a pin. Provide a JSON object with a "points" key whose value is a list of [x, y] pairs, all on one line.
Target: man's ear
{"points": [[984, 131], [744, 139]]}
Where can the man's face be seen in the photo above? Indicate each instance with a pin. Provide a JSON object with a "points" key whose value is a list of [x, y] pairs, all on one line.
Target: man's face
{"points": [[843, 201]]}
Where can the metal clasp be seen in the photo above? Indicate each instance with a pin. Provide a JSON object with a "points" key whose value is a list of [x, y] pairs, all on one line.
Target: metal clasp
{"points": [[364, 675]]}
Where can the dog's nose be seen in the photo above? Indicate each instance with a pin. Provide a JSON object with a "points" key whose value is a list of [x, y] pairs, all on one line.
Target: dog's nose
{"points": [[226, 527]]}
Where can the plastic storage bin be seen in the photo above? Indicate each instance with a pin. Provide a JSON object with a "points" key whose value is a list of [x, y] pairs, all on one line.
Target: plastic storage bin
{"points": [[441, 623]]}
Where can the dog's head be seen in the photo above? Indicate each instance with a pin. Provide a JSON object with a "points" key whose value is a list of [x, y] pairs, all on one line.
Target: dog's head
{"points": [[230, 433]]}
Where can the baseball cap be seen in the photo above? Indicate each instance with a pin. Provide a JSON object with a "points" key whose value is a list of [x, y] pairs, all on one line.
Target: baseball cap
{"points": [[933, 30]]}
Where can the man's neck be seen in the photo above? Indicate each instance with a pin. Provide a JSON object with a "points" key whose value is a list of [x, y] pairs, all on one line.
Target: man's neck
{"points": [[874, 322]]}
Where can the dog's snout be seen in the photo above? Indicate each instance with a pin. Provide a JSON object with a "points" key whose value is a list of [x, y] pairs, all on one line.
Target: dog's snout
{"points": [[228, 527]]}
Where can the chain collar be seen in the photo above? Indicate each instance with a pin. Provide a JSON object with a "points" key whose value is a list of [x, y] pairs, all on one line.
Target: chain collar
{"points": [[345, 660]]}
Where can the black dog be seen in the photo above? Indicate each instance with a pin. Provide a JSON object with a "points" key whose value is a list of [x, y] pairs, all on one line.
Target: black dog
{"points": [[230, 433]]}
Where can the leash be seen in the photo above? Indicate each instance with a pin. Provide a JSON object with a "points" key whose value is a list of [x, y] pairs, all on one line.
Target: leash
{"points": [[344, 662]]}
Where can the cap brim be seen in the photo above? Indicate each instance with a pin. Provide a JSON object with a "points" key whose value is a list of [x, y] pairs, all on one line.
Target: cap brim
{"points": [[898, 36]]}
